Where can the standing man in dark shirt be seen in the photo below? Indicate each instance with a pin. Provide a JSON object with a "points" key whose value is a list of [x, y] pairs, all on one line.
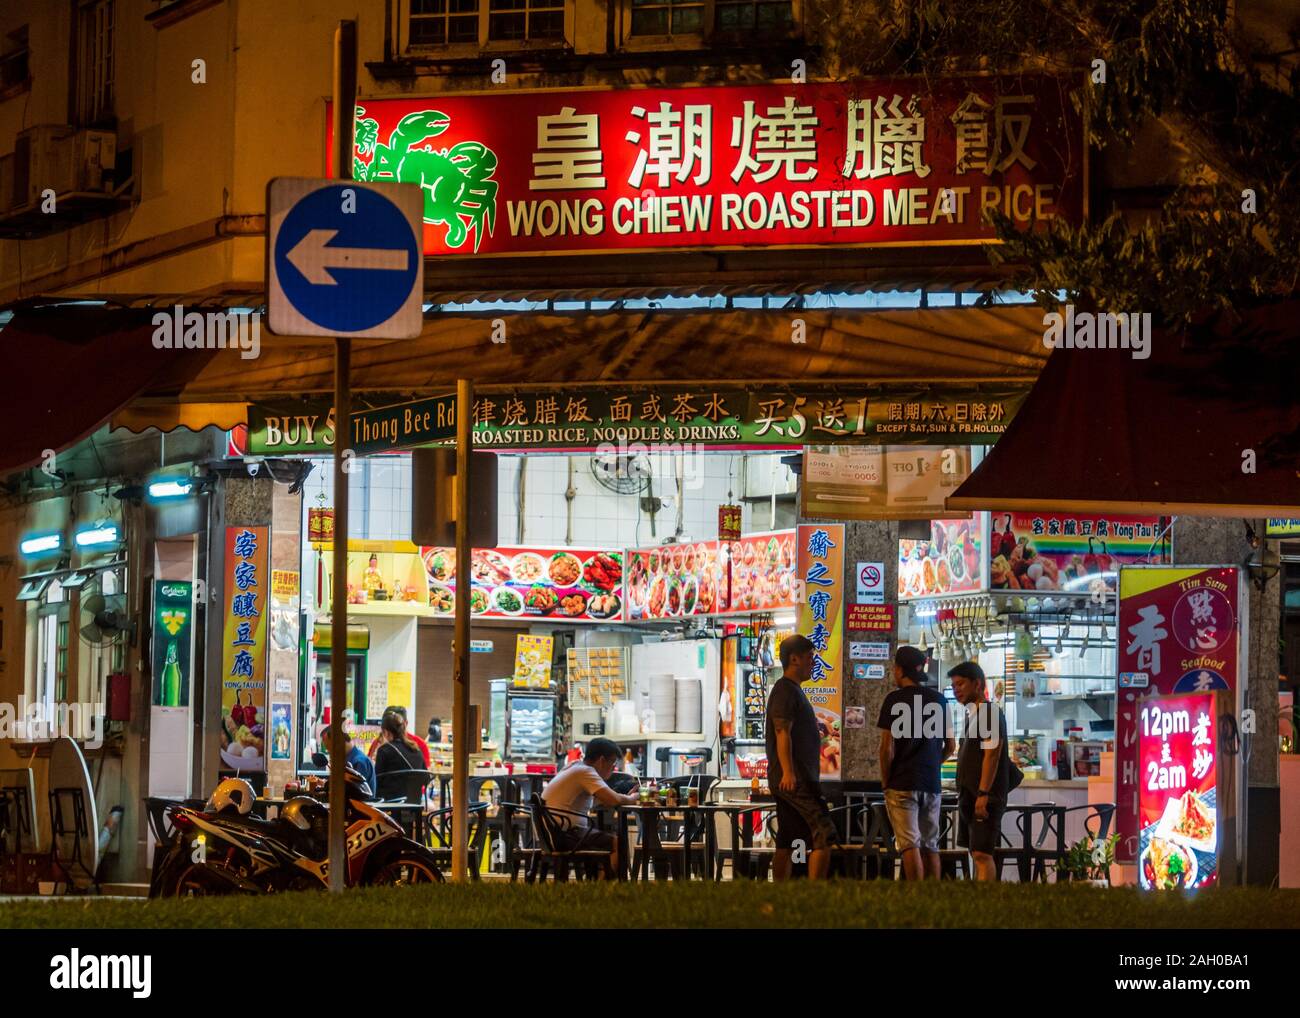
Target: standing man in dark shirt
{"points": [[915, 739], [983, 769], [794, 765]]}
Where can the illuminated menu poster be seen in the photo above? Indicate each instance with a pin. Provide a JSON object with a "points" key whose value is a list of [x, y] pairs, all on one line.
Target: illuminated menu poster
{"points": [[761, 572], [566, 584], [950, 562], [243, 654], [676, 580], [755, 573], [1177, 635], [1178, 841], [820, 567], [1068, 551]]}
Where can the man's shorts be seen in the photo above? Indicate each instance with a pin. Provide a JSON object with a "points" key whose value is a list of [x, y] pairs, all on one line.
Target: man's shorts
{"points": [[979, 835], [802, 815], [587, 839], [915, 819]]}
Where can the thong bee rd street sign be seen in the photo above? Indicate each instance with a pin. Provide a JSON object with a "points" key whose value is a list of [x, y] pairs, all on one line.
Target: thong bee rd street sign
{"points": [[343, 258]]}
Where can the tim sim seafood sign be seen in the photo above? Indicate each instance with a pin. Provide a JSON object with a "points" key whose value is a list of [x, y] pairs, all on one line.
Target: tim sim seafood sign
{"points": [[873, 162]]}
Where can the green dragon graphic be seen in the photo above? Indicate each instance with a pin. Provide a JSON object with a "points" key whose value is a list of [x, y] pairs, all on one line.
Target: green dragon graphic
{"points": [[459, 191]]}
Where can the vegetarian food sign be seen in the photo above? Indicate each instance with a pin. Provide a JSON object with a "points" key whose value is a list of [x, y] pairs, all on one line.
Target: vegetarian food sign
{"points": [[1178, 822], [567, 584], [892, 162], [243, 655], [1178, 627], [820, 567], [1068, 551], [948, 563]]}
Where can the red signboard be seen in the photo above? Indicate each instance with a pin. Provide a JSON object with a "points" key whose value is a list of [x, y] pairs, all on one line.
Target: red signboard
{"points": [[1178, 821], [1178, 634], [899, 161]]}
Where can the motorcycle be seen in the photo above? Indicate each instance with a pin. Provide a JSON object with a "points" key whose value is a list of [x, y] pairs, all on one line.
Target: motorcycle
{"points": [[224, 851]]}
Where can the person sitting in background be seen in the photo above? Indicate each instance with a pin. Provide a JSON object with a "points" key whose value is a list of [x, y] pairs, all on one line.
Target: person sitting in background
{"points": [[572, 792], [396, 755], [416, 741], [354, 758]]}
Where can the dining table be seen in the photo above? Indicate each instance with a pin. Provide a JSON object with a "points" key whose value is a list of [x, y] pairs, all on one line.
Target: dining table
{"points": [[649, 814]]}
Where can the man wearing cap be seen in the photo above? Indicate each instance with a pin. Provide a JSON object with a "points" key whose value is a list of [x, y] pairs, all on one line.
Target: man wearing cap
{"points": [[794, 766], [983, 769], [915, 739]]}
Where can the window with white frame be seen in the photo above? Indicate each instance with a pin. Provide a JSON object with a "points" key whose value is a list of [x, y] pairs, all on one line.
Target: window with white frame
{"points": [[96, 66], [667, 17], [52, 629], [753, 17], [748, 18], [526, 20], [448, 22]]}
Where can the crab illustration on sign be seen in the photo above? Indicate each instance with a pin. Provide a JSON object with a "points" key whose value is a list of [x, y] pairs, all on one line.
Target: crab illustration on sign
{"points": [[459, 192]]}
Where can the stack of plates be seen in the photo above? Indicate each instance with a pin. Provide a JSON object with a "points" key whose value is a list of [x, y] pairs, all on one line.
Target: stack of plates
{"points": [[663, 700], [690, 706]]}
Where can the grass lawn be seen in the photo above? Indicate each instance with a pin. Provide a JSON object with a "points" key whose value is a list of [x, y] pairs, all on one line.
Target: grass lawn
{"points": [[847, 904]]}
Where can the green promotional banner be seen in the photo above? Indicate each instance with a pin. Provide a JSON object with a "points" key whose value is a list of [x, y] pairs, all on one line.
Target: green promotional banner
{"points": [[762, 417], [173, 616]]}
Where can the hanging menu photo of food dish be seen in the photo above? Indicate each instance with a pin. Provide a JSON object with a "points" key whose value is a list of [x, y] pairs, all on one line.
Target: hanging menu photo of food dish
{"points": [[755, 573], [567, 584], [950, 562]]}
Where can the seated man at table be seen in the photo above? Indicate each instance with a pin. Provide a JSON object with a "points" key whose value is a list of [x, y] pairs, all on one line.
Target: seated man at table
{"points": [[354, 758], [570, 794]]}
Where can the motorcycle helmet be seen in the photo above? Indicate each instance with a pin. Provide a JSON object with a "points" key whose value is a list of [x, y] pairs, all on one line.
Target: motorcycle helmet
{"points": [[303, 812], [233, 793]]}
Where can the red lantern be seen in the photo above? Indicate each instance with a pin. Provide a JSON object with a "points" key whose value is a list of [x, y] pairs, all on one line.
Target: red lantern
{"points": [[320, 524], [728, 523]]}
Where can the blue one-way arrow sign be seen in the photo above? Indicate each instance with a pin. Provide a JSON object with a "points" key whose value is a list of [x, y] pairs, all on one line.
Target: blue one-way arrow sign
{"points": [[343, 258]]}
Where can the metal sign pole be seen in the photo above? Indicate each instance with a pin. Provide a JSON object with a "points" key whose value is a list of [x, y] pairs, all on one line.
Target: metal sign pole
{"points": [[461, 737], [345, 93]]}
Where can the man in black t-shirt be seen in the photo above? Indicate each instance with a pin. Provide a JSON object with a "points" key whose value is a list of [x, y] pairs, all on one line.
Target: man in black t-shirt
{"points": [[915, 739], [794, 765], [983, 769]]}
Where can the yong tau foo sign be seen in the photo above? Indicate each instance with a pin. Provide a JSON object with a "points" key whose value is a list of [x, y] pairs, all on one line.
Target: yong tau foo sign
{"points": [[899, 161]]}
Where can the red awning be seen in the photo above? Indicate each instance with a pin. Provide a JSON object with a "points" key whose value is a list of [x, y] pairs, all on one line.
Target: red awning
{"points": [[67, 368], [1175, 433]]}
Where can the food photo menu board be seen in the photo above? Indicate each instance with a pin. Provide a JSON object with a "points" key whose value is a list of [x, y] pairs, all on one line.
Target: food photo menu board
{"points": [[1178, 844], [754, 573], [566, 584], [950, 562]]}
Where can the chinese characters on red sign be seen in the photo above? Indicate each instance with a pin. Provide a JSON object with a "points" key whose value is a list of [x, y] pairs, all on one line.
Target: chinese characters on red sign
{"points": [[1177, 635], [881, 161], [1178, 823]]}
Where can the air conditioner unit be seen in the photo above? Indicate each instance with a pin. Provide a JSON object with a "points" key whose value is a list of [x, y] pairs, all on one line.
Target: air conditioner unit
{"points": [[94, 160], [43, 161], [62, 159]]}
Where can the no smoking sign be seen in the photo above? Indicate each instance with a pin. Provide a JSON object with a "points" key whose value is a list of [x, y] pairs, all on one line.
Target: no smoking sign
{"points": [[871, 583]]}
